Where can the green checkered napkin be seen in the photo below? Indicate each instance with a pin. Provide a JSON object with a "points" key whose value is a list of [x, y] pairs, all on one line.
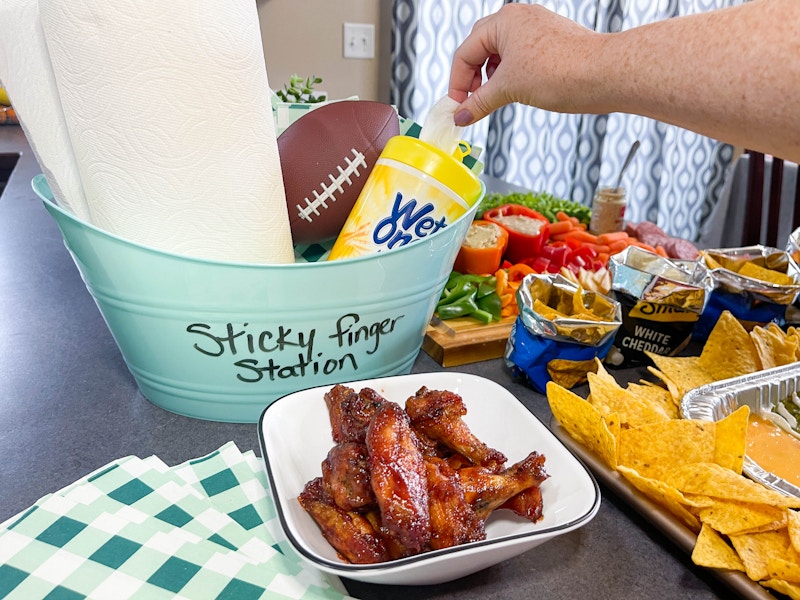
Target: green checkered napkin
{"points": [[140, 529]]}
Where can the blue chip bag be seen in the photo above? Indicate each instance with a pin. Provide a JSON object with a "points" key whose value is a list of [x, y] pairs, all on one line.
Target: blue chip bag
{"points": [[528, 354], [559, 321]]}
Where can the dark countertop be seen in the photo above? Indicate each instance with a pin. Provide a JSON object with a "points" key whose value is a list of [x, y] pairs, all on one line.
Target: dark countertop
{"points": [[68, 405]]}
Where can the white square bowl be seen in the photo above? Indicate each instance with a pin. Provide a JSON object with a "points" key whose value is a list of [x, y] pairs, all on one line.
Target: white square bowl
{"points": [[295, 437]]}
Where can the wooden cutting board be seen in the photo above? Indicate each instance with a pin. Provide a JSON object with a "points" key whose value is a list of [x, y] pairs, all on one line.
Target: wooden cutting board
{"points": [[463, 340]]}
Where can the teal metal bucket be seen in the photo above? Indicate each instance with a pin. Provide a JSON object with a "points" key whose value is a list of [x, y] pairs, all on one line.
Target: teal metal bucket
{"points": [[220, 341]]}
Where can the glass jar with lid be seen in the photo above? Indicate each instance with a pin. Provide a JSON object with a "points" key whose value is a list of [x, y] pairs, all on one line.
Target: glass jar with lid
{"points": [[608, 210]]}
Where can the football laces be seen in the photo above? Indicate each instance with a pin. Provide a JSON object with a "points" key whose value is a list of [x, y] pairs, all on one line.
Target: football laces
{"points": [[328, 190]]}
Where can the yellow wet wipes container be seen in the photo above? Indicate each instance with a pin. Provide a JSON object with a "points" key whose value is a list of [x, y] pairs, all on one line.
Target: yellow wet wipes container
{"points": [[414, 190]]}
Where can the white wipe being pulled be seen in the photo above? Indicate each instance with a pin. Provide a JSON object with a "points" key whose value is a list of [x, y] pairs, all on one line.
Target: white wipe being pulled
{"points": [[439, 129]]}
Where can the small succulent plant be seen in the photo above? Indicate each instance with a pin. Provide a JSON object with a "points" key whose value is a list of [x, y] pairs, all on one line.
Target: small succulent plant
{"points": [[300, 90]]}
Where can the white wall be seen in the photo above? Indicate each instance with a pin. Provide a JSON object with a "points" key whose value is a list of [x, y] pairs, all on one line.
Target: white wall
{"points": [[305, 37]]}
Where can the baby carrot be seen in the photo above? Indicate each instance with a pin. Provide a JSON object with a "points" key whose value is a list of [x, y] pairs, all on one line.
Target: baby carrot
{"points": [[615, 236], [562, 216], [618, 246], [599, 248], [582, 236], [560, 227], [642, 245]]}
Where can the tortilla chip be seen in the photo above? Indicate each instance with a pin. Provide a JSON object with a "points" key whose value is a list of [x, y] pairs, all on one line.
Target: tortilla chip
{"points": [[543, 310], [784, 587], [731, 439], [609, 397], [728, 351], [752, 270], [788, 570], [711, 262], [680, 373], [757, 549], [658, 448], [663, 495], [711, 550], [656, 395], [774, 349], [569, 373], [718, 482], [584, 423], [732, 518], [793, 334], [793, 525]]}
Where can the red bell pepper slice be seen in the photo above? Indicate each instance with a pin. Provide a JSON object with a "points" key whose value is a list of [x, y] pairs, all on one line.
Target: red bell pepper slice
{"points": [[527, 229]]}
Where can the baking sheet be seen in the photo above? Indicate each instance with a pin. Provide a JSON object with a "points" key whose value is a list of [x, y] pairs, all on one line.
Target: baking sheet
{"points": [[684, 538]]}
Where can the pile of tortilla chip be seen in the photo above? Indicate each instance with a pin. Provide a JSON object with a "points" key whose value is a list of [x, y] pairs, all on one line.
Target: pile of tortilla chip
{"points": [[693, 468], [730, 351]]}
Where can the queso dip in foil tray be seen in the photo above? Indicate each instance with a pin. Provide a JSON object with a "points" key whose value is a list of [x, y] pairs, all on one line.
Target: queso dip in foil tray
{"points": [[760, 391]]}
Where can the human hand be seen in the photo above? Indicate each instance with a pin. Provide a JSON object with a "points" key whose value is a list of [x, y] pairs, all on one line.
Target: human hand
{"points": [[531, 55]]}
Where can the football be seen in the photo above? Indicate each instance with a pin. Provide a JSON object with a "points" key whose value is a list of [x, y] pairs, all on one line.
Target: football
{"points": [[326, 156]]}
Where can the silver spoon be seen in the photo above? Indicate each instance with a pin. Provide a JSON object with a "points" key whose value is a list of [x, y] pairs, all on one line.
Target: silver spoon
{"points": [[628, 159]]}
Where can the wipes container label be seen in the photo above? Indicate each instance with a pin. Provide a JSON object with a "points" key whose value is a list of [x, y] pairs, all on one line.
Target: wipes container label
{"points": [[397, 206], [413, 191]]}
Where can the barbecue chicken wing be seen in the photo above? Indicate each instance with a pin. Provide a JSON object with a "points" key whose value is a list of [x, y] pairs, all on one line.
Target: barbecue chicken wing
{"points": [[345, 476], [438, 414], [399, 478], [527, 504], [351, 411], [453, 520], [486, 490], [351, 534]]}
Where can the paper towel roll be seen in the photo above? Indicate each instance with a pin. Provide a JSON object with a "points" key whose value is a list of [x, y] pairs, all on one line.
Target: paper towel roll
{"points": [[168, 108], [27, 76]]}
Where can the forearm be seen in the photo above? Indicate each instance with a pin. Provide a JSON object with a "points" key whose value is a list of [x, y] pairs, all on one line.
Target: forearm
{"points": [[732, 74]]}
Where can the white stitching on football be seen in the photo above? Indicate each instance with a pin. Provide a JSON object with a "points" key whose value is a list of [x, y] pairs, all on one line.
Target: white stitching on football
{"points": [[329, 190]]}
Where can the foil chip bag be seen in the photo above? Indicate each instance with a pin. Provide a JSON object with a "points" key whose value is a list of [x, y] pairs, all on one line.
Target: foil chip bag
{"points": [[661, 299], [793, 250], [560, 331], [757, 284]]}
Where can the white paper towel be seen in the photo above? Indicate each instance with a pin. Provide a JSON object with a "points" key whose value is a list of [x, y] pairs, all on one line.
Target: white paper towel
{"points": [[27, 76], [168, 109]]}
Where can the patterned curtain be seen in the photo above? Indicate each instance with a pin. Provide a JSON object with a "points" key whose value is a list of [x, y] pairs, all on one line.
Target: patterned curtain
{"points": [[677, 176]]}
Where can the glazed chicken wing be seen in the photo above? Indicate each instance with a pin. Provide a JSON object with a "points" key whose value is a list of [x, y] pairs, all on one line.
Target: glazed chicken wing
{"points": [[351, 411], [486, 490], [453, 520], [438, 414], [351, 534], [399, 478], [345, 476], [527, 504]]}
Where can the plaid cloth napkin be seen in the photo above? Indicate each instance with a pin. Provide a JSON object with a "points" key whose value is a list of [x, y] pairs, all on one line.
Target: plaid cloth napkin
{"points": [[138, 528]]}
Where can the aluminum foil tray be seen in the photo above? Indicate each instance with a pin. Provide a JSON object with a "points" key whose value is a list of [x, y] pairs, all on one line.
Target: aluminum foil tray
{"points": [[760, 391]]}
